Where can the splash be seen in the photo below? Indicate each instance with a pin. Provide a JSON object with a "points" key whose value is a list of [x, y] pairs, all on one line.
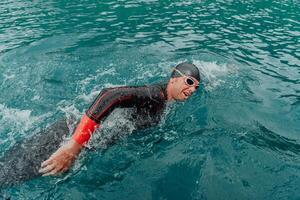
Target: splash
{"points": [[214, 74], [15, 123], [88, 98], [96, 78], [70, 111], [72, 115], [117, 125], [21, 120]]}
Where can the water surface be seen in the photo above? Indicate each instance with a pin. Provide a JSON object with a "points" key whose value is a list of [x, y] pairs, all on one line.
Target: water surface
{"points": [[236, 138]]}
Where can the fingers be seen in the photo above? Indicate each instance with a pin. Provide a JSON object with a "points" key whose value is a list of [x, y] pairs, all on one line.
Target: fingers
{"points": [[47, 168], [51, 170], [46, 162], [59, 162]]}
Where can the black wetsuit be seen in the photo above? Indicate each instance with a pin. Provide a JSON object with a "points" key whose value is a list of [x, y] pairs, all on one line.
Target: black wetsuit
{"points": [[23, 160], [148, 103]]}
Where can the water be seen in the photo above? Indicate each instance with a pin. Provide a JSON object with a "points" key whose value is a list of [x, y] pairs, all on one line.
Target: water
{"points": [[236, 138]]}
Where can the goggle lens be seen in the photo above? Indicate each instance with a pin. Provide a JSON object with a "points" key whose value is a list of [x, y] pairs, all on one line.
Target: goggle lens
{"points": [[190, 81]]}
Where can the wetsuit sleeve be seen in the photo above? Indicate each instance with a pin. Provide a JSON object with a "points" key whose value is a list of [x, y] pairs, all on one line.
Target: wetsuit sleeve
{"points": [[109, 99], [103, 105]]}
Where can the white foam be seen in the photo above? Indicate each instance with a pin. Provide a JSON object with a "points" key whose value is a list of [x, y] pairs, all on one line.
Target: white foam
{"points": [[214, 74], [88, 98], [87, 80], [36, 98], [110, 71], [7, 77], [99, 73], [18, 120], [70, 111]]}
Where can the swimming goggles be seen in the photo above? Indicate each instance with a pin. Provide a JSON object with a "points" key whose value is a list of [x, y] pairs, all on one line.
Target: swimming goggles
{"points": [[188, 79]]}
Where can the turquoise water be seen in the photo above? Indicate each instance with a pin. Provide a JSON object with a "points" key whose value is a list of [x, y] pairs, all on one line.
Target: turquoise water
{"points": [[236, 138]]}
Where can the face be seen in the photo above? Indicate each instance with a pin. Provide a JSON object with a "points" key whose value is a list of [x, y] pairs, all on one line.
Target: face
{"points": [[182, 88]]}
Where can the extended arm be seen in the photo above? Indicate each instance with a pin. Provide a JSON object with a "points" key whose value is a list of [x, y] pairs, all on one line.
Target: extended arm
{"points": [[105, 102], [62, 159]]}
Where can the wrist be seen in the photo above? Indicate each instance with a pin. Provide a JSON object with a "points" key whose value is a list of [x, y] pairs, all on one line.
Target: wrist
{"points": [[73, 146], [84, 130]]}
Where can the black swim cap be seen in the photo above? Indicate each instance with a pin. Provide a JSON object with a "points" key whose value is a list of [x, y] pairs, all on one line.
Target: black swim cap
{"points": [[187, 69]]}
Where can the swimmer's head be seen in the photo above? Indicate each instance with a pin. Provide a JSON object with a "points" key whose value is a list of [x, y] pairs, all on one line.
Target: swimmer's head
{"points": [[187, 69], [184, 81]]}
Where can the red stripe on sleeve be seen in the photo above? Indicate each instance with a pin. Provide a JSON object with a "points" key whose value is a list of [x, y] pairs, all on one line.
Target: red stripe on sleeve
{"points": [[84, 130]]}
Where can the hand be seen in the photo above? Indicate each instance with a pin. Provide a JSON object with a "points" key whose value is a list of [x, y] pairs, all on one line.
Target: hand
{"points": [[61, 160]]}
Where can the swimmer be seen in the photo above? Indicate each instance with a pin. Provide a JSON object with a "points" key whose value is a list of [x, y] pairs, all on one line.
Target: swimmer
{"points": [[147, 101]]}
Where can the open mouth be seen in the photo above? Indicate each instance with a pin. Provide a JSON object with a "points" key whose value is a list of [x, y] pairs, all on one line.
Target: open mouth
{"points": [[186, 94]]}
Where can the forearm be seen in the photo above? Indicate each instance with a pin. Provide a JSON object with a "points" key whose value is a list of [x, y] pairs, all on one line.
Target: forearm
{"points": [[81, 136], [84, 130]]}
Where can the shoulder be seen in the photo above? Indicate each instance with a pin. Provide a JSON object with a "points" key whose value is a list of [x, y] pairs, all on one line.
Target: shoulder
{"points": [[156, 91]]}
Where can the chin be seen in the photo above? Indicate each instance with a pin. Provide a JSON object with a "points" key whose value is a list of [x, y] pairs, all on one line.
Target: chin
{"points": [[182, 98]]}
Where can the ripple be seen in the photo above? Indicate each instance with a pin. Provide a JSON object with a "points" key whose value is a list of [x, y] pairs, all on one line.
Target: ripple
{"points": [[265, 138]]}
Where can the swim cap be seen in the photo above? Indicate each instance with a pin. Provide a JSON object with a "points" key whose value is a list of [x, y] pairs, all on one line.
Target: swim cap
{"points": [[187, 69]]}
